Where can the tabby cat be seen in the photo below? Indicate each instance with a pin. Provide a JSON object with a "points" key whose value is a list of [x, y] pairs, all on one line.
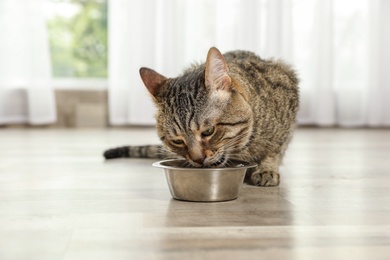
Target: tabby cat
{"points": [[236, 105]]}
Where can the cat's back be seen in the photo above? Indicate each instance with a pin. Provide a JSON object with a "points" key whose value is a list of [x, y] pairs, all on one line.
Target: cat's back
{"points": [[272, 92], [260, 77], [239, 55], [249, 67]]}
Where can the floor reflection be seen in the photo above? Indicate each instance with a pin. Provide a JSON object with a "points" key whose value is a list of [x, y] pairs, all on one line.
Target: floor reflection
{"points": [[255, 207]]}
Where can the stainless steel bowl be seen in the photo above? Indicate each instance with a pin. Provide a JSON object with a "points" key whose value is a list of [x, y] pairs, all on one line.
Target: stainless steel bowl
{"points": [[204, 184]]}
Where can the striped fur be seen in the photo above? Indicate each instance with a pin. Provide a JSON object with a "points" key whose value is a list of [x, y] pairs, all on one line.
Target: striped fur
{"points": [[235, 105], [145, 151]]}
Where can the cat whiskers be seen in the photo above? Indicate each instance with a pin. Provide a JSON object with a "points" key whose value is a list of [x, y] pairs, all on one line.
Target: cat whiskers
{"points": [[163, 153], [225, 148], [187, 164], [240, 157], [230, 164], [233, 143]]}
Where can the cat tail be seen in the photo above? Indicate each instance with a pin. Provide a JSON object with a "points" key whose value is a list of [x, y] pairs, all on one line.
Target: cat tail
{"points": [[144, 151]]}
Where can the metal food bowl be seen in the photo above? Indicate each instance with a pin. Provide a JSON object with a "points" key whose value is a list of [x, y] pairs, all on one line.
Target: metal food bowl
{"points": [[204, 184]]}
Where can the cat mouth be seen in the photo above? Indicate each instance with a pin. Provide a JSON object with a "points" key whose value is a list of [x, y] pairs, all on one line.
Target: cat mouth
{"points": [[219, 163]]}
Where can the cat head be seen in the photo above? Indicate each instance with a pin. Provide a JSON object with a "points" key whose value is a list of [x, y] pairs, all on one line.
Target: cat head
{"points": [[201, 115]]}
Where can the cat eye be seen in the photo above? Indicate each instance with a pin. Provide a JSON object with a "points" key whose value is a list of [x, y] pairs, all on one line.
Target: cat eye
{"points": [[178, 141], [208, 132]]}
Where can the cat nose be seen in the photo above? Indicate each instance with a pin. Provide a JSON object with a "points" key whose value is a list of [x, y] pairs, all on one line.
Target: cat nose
{"points": [[199, 160]]}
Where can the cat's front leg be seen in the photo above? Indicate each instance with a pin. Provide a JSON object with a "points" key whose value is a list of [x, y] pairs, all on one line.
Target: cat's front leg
{"points": [[267, 173]]}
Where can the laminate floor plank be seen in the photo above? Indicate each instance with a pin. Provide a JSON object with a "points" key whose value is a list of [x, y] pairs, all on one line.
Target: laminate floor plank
{"points": [[59, 199]]}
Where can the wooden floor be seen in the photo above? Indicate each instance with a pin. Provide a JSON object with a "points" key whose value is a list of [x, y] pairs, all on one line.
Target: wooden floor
{"points": [[60, 200]]}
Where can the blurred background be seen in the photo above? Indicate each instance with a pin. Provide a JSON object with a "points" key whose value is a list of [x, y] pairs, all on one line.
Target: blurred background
{"points": [[74, 63]]}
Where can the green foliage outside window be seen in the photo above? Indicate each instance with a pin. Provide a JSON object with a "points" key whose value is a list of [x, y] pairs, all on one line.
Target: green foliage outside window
{"points": [[78, 38]]}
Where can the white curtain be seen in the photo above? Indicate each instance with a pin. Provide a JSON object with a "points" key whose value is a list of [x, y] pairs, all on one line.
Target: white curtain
{"points": [[25, 69], [339, 48]]}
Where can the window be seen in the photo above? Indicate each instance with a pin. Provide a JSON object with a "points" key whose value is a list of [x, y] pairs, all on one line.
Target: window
{"points": [[78, 38]]}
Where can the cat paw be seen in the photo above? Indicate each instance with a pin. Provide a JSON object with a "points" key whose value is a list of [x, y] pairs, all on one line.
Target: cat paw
{"points": [[265, 179]]}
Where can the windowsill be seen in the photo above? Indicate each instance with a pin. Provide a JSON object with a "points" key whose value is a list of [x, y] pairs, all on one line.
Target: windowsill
{"points": [[80, 83]]}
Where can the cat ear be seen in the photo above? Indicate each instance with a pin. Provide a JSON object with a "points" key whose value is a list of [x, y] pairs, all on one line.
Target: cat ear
{"points": [[152, 80], [216, 73]]}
